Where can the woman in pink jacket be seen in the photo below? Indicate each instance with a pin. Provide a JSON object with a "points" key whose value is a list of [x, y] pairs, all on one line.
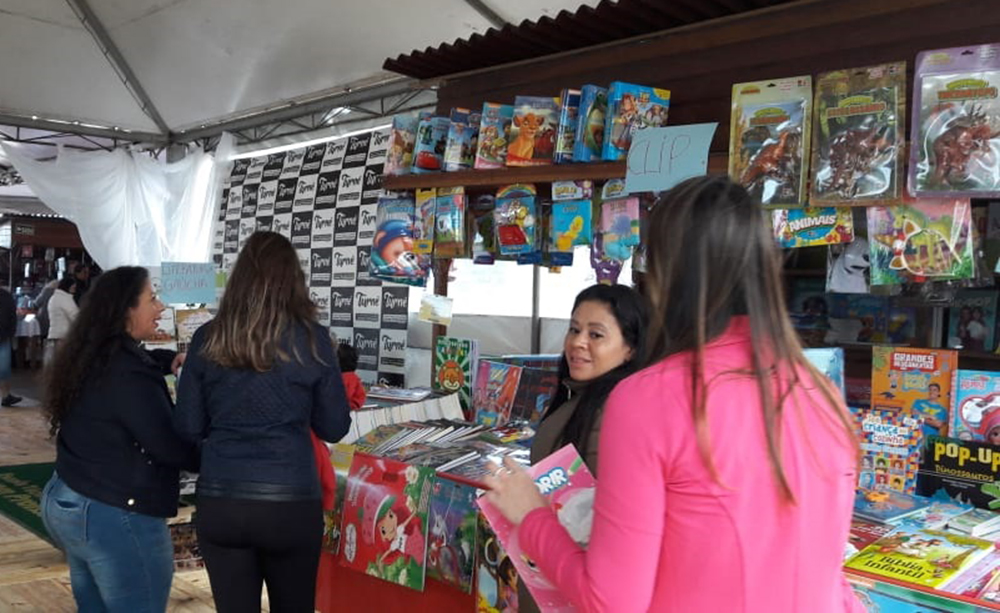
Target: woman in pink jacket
{"points": [[728, 465]]}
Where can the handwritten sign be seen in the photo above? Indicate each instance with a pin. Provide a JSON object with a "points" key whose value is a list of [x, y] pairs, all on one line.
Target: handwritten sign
{"points": [[187, 283], [660, 158]]}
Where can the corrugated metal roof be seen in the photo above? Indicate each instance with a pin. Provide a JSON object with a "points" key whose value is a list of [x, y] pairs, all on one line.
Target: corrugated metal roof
{"points": [[607, 22]]}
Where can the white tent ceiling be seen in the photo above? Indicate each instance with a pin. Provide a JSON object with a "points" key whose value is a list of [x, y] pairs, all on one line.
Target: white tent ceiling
{"points": [[204, 61]]}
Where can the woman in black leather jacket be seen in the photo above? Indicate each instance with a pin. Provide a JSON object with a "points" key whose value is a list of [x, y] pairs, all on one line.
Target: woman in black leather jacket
{"points": [[258, 377]]}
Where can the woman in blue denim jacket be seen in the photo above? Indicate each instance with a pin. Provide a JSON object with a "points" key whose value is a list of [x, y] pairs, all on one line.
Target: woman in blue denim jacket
{"points": [[117, 456]]}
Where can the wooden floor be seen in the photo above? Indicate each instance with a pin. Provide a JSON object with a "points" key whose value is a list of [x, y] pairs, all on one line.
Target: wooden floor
{"points": [[33, 574]]}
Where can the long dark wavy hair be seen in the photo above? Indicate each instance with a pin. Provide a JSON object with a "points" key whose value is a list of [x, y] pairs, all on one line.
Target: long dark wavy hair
{"points": [[712, 256], [265, 300], [94, 336], [630, 312]]}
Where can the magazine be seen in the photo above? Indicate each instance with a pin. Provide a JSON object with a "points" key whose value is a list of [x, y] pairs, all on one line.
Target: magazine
{"points": [[452, 541], [917, 381]]}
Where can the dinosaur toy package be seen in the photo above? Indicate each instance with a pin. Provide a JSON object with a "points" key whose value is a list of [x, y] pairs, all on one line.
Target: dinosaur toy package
{"points": [[857, 135], [955, 138], [769, 139]]}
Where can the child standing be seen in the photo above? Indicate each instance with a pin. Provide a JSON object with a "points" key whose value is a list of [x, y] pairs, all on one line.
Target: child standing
{"points": [[348, 358]]}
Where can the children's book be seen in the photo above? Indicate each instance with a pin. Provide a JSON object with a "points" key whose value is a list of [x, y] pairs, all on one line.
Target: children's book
{"points": [[588, 142], [923, 557], [451, 550], [890, 448], [631, 108], [863, 318], [938, 515], [830, 362], [917, 381], [863, 533], [924, 240], [494, 128], [991, 591], [533, 131], [385, 520], [570, 226], [534, 393], [967, 471], [515, 218], [463, 140], [402, 138], [392, 256], [975, 415], [495, 388], [886, 505], [188, 321], [812, 226], [341, 456], [166, 332], [496, 577], [449, 220], [543, 361], [569, 487], [569, 108], [972, 320], [432, 138], [455, 366], [620, 227], [976, 522], [423, 223], [972, 581]]}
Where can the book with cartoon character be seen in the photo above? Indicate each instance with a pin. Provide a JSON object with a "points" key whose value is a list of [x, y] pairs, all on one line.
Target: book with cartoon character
{"points": [[534, 392], [402, 138], [341, 456], [515, 219], [451, 549], [589, 138], [463, 140], [449, 222], [975, 414], [393, 258], [494, 128], [385, 526], [432, 138], [916, 381], [890, 448], [570, 225], [631, 108], [494, 391], [496, 577], [923, 557], [456, 361], [620, 227], [533, 131], [569, 487], [569, 103]]}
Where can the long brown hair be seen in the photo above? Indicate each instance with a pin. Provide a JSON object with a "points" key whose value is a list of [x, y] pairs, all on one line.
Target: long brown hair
{"points": [[97, 332], [265, 300], [711, 257]]}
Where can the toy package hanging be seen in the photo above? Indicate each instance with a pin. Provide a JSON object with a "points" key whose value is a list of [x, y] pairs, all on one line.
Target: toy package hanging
{"points": [[620, 227], [533, 131], [955, 137], [570, 226], [630, 108], [769, 139], [423, 227], [484, 244], [589, 138], [392, 257], [812, 226], [449, 221], [432, 138], [858, 135], [463, 140], [569, 107], [494, 128], [402, 137], [514, 217]]}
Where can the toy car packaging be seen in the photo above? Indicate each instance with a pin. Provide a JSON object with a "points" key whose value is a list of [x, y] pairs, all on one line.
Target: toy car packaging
{"points": [[392, 256], [857, 136], [955, 138], [769, 139], [514, 218]]}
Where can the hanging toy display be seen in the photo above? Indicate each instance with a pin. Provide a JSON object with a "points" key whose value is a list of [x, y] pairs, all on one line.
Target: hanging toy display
{"points": [[449, 222], [606, 269], [620, 227], [514, 217], [423, 228]]}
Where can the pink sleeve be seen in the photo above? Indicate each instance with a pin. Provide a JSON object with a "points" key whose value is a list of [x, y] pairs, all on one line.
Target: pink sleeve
{"points": [[617, 571]]}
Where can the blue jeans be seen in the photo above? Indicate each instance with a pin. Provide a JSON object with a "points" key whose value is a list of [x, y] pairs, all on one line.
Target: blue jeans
{"points": [[118, 560]]}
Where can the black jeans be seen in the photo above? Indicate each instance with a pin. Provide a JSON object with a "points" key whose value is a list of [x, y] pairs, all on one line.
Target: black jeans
{"points": [[247, 542]]}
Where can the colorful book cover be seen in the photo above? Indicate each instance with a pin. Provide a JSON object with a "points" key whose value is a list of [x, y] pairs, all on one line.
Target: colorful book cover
{"points": [[890, 448], [451, 549], [449, 221], [392, 256], [588, 142], [495, 388], [863, 532], [863, 318], [341, 456], [463, 140], [494, 129], [569, 487], [569, 108], [917, 381], [580, 189], [496, 578], [967, 471], [812, 226], [455, 368], [533, 131], [620, 227], [402, 138], [385, 520], [991, 591], [423, 223], [923, 557], [975, 415], [859, 391], [925, 240], [515, 218], [534, 392], [570, 225], [887, 505], [631, 108], [432, 138], [875, 599], [936, 516], [976, 522], [972, 581], [188, 321], [830, 362], [972, 320]]}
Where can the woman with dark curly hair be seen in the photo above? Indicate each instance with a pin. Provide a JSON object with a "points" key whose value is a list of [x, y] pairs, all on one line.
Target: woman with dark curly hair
{"points": [[117, 456]]}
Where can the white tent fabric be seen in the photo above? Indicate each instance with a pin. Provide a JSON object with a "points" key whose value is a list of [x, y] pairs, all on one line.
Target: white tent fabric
{"points": [[129, 208]]}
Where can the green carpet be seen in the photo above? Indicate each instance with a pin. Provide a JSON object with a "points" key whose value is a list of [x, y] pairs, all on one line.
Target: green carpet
{"points": [[20, 492]]}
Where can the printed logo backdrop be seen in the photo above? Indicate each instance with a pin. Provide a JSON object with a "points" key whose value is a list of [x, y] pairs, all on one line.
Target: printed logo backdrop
{"points": [[323, 198]]}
